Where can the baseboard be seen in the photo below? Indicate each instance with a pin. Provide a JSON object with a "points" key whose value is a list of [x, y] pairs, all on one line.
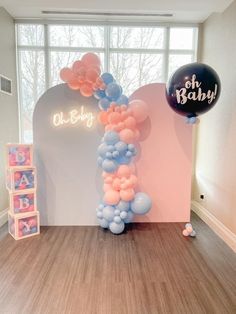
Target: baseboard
{"points": [[3, 217], [223, 232]]}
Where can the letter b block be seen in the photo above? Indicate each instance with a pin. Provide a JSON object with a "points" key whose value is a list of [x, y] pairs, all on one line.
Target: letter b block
{"points": [[23, 202]]}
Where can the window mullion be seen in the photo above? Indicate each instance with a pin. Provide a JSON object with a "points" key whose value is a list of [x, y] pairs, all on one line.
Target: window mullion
{"points": [[46, 57]]}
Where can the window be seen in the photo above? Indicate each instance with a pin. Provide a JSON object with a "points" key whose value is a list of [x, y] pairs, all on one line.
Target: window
{"points": [[134, 55]]}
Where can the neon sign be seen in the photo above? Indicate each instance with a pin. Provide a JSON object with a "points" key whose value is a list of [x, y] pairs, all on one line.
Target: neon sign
{"points": [[73, 117]]}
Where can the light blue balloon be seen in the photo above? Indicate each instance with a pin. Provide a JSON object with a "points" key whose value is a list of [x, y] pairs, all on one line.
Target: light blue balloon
{"points": [[111, 137], [103, 149], [109, 155], [122, 100], [100, 206], [129, 217], [113, 91], [100, 161], [108, 213], [131, 147], [104, 104], [141, 204], [100, 214], [128, 154], [123, 215], [103, 223], [123, 160], [107, 78], [109, 165], [115, 154], [117, 212], [123, 206], [98, 94], [111, 148], [191, 120], [116, 228], [117, 219], [121, 147]]}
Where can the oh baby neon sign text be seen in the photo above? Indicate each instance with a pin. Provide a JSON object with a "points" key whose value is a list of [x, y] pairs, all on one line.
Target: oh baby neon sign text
{"points": [[73, 117]]}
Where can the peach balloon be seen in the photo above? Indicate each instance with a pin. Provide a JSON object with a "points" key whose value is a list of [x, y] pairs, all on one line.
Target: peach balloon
{"points": [[91, 75], [136, 135], [127, 195], [109, 127], [116, 184], [86, 90], [139, 110], [91, 59], [114, 117], [111, 197], [106, 187], [130, 123], [123, 171], [127, 136], [103, 117], [66, 74], [74, 84], [185, 233], [133, 179], [77, 65]]}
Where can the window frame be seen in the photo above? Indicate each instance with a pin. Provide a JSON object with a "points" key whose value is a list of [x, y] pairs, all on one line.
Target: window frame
{"points": [[106, 50]]}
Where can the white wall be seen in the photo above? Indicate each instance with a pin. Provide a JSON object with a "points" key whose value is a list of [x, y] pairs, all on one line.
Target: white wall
{"points": [[8, 104], [216, 140]]}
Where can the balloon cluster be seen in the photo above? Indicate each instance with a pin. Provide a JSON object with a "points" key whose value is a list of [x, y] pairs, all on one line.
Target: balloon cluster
{"points": [[84, 75], [121, 119], [188, 231]]}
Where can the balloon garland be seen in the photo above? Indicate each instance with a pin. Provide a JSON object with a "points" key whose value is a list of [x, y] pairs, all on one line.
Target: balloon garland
{"points": [[121, 119]]}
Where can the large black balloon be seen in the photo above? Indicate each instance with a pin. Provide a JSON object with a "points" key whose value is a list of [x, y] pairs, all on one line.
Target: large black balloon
{"points": [[193, 89]]}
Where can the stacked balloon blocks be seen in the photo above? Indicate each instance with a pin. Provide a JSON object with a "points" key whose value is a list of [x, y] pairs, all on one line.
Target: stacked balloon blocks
{"points": [[23, 217]]}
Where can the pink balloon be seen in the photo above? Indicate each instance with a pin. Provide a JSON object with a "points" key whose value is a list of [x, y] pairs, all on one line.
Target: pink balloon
{"points": [[77, 65], [130, 123], [91, 59], [91, 75], [114, 117], [74, 84], [103, 117], [139, 109], [133, 179], [32, 222], [127, 136], [185, 233], [66, 74], [116, 184], [21, 225], [111, 197], [86, 90], [127, 195], [136, 135], [106, 187], [124, 171], [108, 179]]}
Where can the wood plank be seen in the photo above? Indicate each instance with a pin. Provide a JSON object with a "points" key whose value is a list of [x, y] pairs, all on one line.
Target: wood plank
{"points": [[151, 268]]}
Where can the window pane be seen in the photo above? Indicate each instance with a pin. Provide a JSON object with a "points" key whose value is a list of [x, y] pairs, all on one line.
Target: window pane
{"points": [[30, 34], [32, 85], [176, 61], [135, 37], [135, 70], [61, 59], [181, 38], [76, 36]]}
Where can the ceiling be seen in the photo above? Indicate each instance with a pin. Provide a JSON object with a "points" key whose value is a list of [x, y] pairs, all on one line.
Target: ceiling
{"points": [[182, 10]]}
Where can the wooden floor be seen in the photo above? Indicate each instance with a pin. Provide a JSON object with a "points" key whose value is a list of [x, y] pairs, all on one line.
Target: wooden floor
{"points": [[150, 269]]}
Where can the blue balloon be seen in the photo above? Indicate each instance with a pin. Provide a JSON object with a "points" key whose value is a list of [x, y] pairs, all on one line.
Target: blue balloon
{"points": [[103, 149], [117, 228], [109, 165], [100, 161], [113, 91], [103, 223], [107, 78], [141, 203], [104, 104], [123, 214], [111, 148], [109, 155], [129, 154], [192, 120], [123, 206], [115, 154], [117, 219], [123, 160], [129, 217], [111, 137], [131, 147], [98, 94], [99, 214], [108, 213], [121, 147], [122, 100]]}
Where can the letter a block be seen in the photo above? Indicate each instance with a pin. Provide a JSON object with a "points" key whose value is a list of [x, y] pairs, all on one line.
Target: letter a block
{"points": [[21, 178], [19, 155], [22, 202]]}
